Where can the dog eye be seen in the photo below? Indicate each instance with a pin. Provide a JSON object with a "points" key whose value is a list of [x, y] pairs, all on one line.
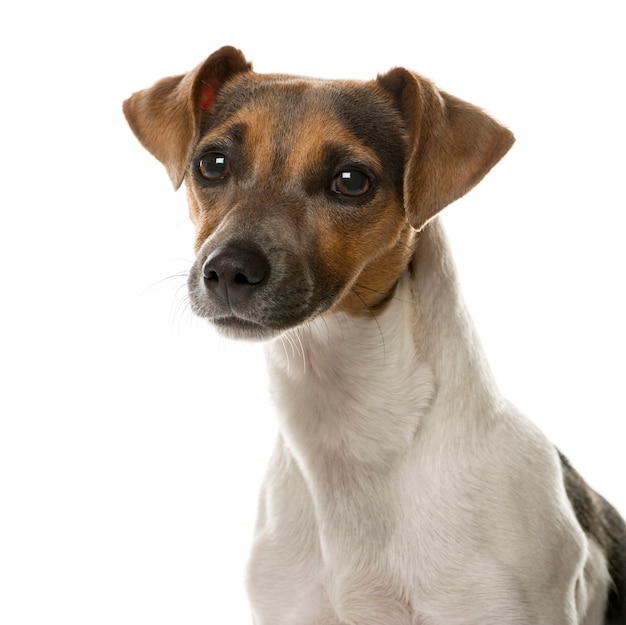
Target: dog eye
{"points": [[351, 183], [214, 166]]}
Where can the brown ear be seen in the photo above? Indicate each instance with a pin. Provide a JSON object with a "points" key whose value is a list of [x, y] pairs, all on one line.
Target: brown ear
{"points": [[452, 144], [166, 117]]}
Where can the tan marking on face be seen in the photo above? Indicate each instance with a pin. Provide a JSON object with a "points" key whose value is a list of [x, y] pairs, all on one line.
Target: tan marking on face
{"points": [[205, 221], [365, 247], [259, 138], [316, 129], [372, 256], [377, 257]]}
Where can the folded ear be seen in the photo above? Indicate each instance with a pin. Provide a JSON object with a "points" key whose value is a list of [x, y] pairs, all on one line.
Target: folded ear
{"points": [[452, 144], [166, 117]]}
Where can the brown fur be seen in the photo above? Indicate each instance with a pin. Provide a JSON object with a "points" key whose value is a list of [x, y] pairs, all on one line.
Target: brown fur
{"points": [[452, 146], [315, 251], [165, 118]]}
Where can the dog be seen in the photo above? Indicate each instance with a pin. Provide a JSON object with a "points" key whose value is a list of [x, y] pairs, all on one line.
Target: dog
{"points": [[403, 489]]}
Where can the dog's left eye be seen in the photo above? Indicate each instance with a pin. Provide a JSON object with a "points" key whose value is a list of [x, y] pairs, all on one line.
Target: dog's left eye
{"points": [[351, 183], [214, 166]]}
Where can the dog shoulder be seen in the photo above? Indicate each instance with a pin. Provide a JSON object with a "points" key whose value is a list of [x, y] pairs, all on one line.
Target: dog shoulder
{"points": [[601, 522]]}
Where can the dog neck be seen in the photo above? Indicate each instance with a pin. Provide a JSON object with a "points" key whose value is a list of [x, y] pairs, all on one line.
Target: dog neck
{"points": [[448, 341], [358, 389]]}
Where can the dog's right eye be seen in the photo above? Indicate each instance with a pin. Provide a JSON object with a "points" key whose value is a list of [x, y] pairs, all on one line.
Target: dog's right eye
{"points": [[352, 183], [214, 166]]}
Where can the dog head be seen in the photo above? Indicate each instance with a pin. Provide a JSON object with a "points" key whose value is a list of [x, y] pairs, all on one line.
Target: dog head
{"points": [[307, 194]]}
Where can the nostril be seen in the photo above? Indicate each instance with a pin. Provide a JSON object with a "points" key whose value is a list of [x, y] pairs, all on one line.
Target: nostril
{"points": [[210, 274], [232, 273], [240, 278]]}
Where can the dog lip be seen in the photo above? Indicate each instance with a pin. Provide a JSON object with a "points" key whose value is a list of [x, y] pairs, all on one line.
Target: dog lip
{"points": [[238, 327]]}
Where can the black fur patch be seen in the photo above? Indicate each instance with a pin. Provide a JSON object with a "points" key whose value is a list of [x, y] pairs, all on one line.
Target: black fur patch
{"points": [[600, 520], [365, 113], [377, 125]]}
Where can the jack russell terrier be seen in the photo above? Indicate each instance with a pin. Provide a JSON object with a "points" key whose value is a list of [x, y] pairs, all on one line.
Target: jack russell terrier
{"points": [[404, 489]]}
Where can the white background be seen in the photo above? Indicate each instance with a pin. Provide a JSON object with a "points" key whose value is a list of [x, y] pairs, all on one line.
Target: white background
{"points": [[132, 439]]}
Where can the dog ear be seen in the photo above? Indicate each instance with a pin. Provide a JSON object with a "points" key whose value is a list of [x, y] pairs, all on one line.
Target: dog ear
{"points": [[166, 117], [452, 144]]}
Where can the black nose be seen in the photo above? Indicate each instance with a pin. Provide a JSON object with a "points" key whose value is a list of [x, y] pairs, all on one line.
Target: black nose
{"points": [[234, 273]]}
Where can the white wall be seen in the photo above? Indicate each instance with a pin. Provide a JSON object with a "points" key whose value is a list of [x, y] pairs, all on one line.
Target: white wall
{"points": [[132, 439]]}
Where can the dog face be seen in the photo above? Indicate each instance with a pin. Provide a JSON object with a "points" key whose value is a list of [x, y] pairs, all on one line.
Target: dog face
{"points": [[307, 194]]}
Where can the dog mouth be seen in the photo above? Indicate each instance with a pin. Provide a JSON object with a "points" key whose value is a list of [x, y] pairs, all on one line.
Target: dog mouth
{"points": [[239, 328], [248, 290], [244, 299], [269, 314]]}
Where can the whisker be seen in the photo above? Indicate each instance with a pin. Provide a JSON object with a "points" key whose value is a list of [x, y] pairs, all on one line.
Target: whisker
{"points": [[162, 281], [373, 316], [394, 297], [301, 349], [290, 342], [182, 309], [181, 305], [283, 341]]}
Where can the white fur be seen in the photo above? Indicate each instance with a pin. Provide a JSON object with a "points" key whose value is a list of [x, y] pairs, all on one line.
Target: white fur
{"points": [[403, 489]]}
